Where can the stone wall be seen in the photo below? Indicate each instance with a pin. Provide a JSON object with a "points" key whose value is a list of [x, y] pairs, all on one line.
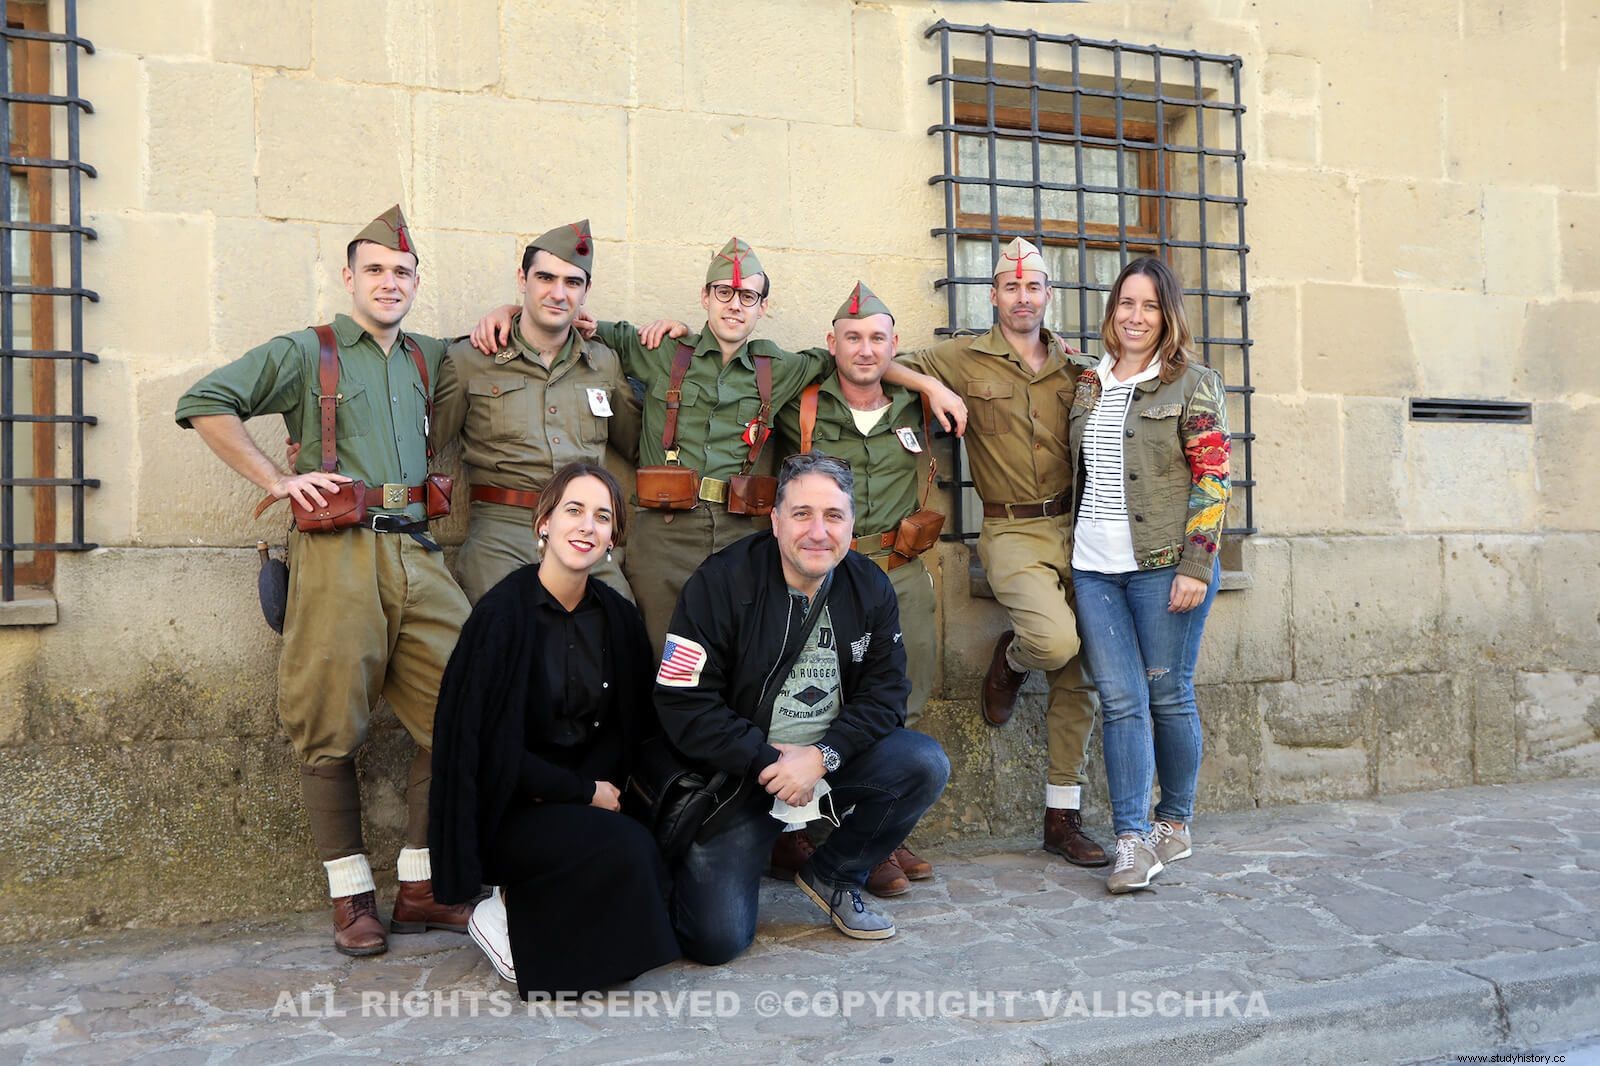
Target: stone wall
{"points": [[1424, 218]]}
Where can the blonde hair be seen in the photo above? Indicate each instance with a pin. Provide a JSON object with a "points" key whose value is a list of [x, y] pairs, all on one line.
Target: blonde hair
{"points": [[1175, 346]]}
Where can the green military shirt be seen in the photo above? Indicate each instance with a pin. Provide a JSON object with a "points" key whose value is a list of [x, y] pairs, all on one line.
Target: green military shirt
{"points": [[888, 481], [381, 411], [1016, 437], [718, 401], [521, 421]]}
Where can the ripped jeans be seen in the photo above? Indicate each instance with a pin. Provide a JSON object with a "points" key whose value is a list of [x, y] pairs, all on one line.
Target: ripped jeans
{"points": [[1142, 658]]}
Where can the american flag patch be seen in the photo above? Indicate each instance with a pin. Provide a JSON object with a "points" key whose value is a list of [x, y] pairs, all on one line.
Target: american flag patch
{"points": [[681, 660]]}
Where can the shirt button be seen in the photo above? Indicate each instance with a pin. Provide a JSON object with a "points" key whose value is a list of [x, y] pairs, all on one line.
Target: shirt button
{"points": [[555, 440], [494, 390], [1127, 433], [1138, 518], [396, 399], [605, 684], [552, 410], [1133, 477]]}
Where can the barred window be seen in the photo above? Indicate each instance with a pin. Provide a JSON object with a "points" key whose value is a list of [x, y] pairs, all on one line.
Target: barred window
{"points": [[1098, 152]]}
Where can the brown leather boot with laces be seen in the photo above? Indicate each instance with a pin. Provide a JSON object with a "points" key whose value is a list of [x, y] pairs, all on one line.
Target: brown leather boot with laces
{"points": [[416, 911], [357, 929], [789, 853], [1064, 836]]}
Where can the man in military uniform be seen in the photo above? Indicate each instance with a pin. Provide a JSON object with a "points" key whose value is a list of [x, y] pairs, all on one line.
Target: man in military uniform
{"points": [[1018, 380], [549, 399], [881, 432], [372, 610]]}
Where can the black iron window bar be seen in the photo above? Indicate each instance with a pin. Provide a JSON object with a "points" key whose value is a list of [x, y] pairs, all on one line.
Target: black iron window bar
{"points": [[73, 354], [967, 75]]}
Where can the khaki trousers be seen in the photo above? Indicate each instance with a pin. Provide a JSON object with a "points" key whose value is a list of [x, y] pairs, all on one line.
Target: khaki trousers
{"points": [[500, 540], [668, 546], [369, 615], [1029, 564], [913, 588]]}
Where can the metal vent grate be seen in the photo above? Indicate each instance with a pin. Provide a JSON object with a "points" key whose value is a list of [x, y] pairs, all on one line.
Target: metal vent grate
{"points": [[1433, 409]]}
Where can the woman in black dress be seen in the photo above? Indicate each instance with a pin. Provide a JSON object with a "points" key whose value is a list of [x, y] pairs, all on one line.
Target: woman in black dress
{"points": [[541, 708]]}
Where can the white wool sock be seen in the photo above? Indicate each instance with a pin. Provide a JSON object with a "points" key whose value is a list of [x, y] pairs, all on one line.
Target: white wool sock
{"points": [[414, 865], [349, 876], [1062, 797]]}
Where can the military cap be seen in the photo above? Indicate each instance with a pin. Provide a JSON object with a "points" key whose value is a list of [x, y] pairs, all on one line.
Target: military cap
{"points": [[1020, 255], [390, 230], [862, 303], [733, 264], [571, 243]]}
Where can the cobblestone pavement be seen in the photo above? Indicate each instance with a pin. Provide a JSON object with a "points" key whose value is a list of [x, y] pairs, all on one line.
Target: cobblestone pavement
{"points": [[1400, 929]]}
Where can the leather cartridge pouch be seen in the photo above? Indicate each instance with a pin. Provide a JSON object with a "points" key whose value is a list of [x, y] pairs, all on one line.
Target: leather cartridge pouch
{"points": [[917, 532], [345, 508], [755, 494], [436, 498], [672, 487]]}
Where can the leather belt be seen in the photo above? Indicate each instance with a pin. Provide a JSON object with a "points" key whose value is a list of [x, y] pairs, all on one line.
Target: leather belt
{"points": [[874, 543], [1044, 509], [509, 497], [713, 490], [393, 497]]}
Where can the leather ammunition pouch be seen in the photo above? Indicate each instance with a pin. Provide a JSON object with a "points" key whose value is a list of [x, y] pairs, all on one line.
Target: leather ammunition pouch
{"points": [[752, 494], [667, 488], [916, 533]]}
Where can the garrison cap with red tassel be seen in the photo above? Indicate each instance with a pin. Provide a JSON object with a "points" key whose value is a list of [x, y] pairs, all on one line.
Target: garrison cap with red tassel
{"points": [[862, 303], [570, 243], [390, 230], [1018, 256], [733, 264]]}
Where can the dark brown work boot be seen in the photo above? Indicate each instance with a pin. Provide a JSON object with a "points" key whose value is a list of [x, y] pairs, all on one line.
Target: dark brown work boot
{"points": [[416, 911], [1001, 684], [914, 866], [1064, 836], [887, 879], [356, 928], [789, 852]]}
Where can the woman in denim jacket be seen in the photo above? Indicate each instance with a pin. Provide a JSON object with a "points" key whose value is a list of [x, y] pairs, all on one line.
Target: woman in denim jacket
{"points": [[1149, 430]]}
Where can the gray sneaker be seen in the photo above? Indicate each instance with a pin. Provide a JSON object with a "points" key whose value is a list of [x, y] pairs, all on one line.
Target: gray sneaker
{"points": [[1134, 865], [1171, 842], [849, 912]]}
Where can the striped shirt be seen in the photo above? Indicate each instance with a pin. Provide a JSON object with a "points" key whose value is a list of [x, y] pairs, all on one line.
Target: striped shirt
{"points": [[1103, 542]]}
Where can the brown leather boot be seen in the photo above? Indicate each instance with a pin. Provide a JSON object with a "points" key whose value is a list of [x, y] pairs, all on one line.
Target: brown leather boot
{"points": [[789, 853], [356, 928], [1001, 684], [887, 879], [1064, 836], [914, 866], [416, 911]]}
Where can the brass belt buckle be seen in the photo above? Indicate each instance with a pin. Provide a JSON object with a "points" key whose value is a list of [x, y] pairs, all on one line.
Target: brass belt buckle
{"points": [[713, 491], [394, 496]]}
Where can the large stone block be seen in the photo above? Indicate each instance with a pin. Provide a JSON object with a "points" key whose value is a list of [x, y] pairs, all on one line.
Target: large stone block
{"points": [[1366, 605], [1247, 633], [1318, 714], [1494, 730], [148, 27], [1421, 233], [467, 273], [658, 33], [1424, 727], [1362, 130], [523, 135], [687, 167], [1569, 496], [1519, 230], [1498, 22], [1291, 81], [1290, 138], [268, 33], [1313, 775], [555, 53], [371, 147], [665, 282], [1302, 225], [1275, 328], [108, 453], [1570, 573], [153, 258], [267, 282], [19, 652], [1557, 352], [1298, 490], [1578, 226], [1494, 617], [1504, 138], [1465, 476], [113, 142], [1558, 724], [1463, 341], [880, 69], [1355, 341], [1230, 725], [809, 286], [1375, 487], [827, 160], [214, 172], [796, 67], [432, 43]]}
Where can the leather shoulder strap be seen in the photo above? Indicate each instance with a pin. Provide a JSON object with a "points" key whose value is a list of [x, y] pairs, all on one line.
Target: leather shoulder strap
{"points": [[427, 392], [328, 380], [761, 429], [808, 415], [927, 437], [680, 370]]}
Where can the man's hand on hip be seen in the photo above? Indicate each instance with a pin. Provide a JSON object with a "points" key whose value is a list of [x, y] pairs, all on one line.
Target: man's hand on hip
{"points": [[795, 775]]}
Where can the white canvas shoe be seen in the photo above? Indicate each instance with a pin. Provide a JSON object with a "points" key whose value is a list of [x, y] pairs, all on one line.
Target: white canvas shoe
{"points": [[491, 932]]}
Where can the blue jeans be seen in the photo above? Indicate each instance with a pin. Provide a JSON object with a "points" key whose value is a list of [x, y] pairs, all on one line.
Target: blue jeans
{"points": [[1142, 658], [717, 885]]}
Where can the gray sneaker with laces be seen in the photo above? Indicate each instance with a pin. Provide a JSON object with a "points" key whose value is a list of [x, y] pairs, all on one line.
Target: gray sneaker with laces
{"points": [[849, 911], [1133, 866], [1171, 842]]}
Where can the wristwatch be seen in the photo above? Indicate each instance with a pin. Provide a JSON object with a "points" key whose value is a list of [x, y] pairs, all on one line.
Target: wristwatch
{"points": [[830, 758]]}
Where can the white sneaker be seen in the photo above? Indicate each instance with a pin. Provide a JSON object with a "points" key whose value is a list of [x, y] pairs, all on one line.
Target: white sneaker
{"points": [[1134, 866], [491, 932], [1171, 843]]}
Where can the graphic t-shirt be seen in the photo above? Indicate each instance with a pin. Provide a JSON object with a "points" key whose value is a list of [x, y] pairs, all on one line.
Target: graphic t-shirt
{"points": [[811, 695]]}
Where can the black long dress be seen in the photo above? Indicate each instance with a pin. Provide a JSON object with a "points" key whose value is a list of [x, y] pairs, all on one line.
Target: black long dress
{"points": [[537, 704]]}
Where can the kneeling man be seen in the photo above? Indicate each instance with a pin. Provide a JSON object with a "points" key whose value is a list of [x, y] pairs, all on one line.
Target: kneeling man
{"points": [[785, 665]]}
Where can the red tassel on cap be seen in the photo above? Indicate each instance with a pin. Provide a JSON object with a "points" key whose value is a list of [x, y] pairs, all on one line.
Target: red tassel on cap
{"points": [[582, 247], [855, 300], [400, 234]]}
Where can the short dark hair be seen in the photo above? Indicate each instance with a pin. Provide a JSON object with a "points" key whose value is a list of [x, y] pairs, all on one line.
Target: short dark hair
{"points": [[815, 462], [550, 497], [350, 253], [533, 249]]}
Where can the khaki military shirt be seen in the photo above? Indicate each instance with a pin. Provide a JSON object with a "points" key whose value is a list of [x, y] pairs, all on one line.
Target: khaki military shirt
{"points": [[381, 409], [718, 400], [1016, 437], [889, 474], [521, 421]]}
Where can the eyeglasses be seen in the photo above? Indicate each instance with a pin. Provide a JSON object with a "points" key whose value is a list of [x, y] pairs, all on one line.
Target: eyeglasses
{"points": [[725, 293]]}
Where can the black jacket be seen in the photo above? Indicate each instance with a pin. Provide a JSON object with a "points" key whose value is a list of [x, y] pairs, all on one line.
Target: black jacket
{"points": [[737, 608], [480, 758]]}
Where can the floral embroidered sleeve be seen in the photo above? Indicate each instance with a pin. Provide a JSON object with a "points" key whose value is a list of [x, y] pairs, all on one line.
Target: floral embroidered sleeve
{"points": [[1206, 446]]}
